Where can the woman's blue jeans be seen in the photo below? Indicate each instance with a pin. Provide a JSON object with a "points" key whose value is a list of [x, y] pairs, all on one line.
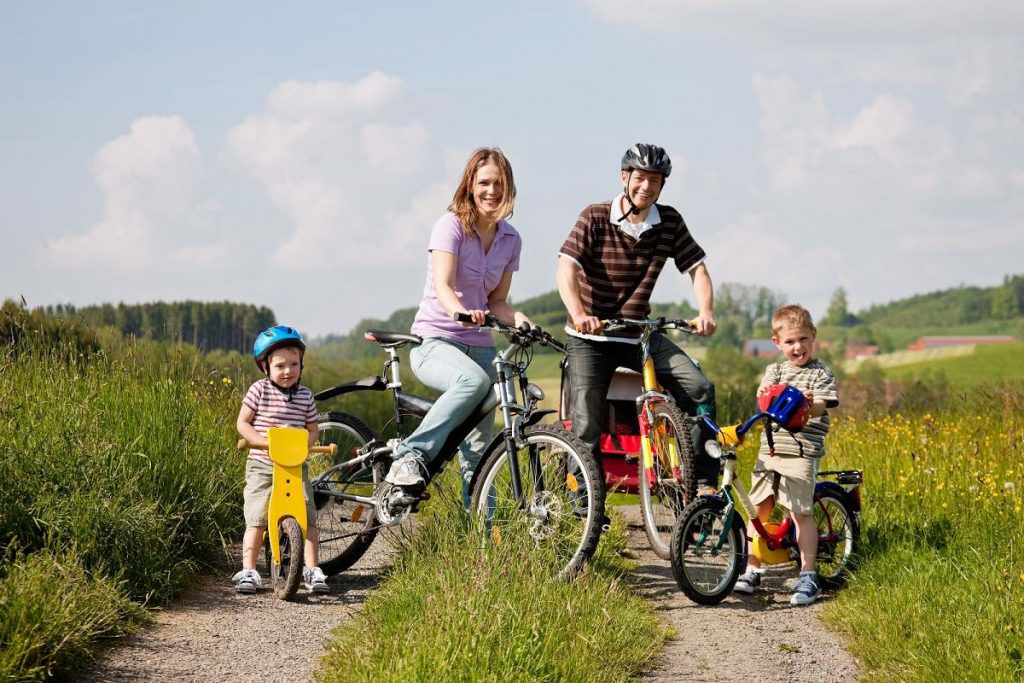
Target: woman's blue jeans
{"points": [[464, 374]]}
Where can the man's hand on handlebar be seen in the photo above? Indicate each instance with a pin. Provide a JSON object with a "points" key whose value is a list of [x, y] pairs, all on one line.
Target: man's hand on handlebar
{"points": [[587, 324], [704, 324]]}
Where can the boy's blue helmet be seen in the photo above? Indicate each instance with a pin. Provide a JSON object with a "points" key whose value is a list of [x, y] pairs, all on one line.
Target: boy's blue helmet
{"points": [[276, 337]]}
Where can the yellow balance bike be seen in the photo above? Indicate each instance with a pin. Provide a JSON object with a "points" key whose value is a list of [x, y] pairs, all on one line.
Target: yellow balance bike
{"points": [[286, 512]]}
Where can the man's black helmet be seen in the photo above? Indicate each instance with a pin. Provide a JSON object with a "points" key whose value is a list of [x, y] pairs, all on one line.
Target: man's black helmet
{"points": [[643, 157]]}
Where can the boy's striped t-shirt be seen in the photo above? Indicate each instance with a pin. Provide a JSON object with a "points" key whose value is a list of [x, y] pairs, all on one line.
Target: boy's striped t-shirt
{"points": [[817, 377], [272, 408]]}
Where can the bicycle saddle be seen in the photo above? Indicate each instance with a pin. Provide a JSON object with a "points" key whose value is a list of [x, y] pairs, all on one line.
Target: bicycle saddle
{"points": [[391, 338]]}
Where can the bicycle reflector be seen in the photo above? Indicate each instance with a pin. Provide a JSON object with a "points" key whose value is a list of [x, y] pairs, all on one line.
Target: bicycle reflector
{"points": [[785, 404]]}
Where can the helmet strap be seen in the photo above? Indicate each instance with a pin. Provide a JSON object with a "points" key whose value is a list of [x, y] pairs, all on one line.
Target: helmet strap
{"points": [[633, 209]]}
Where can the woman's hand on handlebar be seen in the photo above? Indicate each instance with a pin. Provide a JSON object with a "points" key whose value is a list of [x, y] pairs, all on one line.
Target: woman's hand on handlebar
{"points": [[521, 321], [477, 317]]}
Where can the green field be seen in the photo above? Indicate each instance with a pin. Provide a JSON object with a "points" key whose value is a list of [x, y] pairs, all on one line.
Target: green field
{"points": [[986, 364]]}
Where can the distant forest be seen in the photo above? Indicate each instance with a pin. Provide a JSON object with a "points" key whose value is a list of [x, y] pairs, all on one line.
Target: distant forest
{"points": [[208, 325]]}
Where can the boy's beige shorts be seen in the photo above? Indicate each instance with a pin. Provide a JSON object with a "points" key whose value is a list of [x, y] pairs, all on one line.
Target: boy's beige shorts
{"points": [[259, 480], [789, 478]]}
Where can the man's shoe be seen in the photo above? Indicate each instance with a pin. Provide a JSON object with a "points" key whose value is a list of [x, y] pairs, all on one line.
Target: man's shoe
{"points": [[247, 581], [807, 590], [407, 471], [314, 579], [748, 583]]}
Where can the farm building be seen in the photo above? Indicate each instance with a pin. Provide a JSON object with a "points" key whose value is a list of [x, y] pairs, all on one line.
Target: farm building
{"points": [[759, 348], [939, 342]]}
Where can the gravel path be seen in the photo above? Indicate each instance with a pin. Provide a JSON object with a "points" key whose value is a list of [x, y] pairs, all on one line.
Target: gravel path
{"points": [[757, 638], [204, 635], [213, 634]]}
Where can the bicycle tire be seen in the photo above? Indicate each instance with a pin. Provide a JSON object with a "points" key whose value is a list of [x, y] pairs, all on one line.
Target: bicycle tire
{"points": [[565, 517], [661, 506], [346, 529], [838, 537], [707, 557], [285, 577]]}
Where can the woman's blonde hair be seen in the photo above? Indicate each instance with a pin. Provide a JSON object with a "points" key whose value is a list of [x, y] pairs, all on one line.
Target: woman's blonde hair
{"points": [[463, 205]]}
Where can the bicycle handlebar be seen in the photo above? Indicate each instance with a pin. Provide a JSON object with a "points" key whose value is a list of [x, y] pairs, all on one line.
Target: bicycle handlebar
{"points": [[523, 333], [657, 324], [330, 449]]}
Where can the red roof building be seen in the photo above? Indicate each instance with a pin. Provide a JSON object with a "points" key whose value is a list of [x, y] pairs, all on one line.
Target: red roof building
{"points": [[939, 342]]}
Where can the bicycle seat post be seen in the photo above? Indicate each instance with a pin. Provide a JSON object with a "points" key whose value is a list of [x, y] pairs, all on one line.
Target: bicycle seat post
{"points": [[392, 368]]}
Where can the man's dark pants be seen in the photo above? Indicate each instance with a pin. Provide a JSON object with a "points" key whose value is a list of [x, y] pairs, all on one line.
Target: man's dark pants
{"points": [[591, 366]]}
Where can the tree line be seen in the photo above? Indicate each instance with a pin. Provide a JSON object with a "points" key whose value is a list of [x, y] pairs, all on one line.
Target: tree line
{"points": [[222, 325]]}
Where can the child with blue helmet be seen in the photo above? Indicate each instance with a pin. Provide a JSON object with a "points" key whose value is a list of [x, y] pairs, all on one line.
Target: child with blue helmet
{"points": [[277, 400]]}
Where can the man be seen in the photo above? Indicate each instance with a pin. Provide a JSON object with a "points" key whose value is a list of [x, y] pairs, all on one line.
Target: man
{"points": [[607, 268]]}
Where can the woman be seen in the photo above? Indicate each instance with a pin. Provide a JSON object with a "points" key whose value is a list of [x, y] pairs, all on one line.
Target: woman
{"points": [[473, 253]]}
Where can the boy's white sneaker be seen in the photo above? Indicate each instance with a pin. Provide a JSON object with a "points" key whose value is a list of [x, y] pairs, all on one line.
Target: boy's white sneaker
{"points": [[314, 579], [749, 582], [247, 581], [807, 590]]}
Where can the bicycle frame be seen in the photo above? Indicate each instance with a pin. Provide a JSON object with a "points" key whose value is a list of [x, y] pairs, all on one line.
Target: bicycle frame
{"points": [[516, 415], [733, 491]]}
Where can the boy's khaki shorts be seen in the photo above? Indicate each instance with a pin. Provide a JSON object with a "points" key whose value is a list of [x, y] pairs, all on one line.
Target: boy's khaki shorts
{"points": [[789, 478], [259, 480]]}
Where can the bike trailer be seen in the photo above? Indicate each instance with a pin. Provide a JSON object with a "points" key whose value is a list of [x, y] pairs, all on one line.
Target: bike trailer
{"points": [[620, 431]]}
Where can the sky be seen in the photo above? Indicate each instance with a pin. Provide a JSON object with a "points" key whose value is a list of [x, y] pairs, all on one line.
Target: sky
{"points": [[298, 156]]}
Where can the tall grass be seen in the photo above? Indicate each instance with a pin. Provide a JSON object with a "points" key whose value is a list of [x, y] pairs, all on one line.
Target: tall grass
{"points": [[118, 481], [456, 609], [940, 590]]}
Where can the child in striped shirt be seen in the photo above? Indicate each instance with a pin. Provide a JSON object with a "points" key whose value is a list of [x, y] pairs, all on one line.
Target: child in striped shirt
{"points": [[277, 400]]}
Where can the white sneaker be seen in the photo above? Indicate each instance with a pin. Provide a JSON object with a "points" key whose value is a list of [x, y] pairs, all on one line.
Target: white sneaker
{"points": [[247, 581], [407, 471], [314, 579]]}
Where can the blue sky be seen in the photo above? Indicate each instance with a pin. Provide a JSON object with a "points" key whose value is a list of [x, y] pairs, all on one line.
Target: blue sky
{"points": [[298, 156]]}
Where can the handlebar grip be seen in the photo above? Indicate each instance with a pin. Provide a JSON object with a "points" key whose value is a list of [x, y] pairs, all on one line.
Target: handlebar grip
{"points": [[243, 444], [330, 449], [460, 317]]}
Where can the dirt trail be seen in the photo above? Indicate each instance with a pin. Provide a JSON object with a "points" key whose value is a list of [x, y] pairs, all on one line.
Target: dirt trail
{"points": [[758, 638], [213, 634]]}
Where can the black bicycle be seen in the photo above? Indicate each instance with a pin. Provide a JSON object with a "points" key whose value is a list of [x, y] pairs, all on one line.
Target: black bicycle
{"points": [[535, 479]]}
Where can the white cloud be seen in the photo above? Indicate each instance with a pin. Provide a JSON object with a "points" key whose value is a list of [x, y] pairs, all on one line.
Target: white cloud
{"points": [[819, 21], [151, 204], [348, 173]]}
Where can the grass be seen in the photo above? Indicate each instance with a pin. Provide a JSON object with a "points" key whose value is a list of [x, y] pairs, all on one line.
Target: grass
{"points": [[986, 364], [119, 482], [455, 609], [940, 589]]}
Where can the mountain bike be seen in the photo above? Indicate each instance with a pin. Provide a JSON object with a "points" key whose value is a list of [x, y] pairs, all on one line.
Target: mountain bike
{"points": [[665, 477], [288, 448], [537, 478], [709, 549]]}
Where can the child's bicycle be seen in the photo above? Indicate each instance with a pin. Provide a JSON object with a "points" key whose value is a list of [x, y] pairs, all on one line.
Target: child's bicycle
{"points": [[709, 549], [665, 478], [539, 477], [286, 512]]}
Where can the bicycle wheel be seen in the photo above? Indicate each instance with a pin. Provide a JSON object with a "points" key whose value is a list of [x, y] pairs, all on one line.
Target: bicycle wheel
{"points": [[285, 576], [562, 513], [708, 551], [838, 531], [347, 528], [662, 495]]}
